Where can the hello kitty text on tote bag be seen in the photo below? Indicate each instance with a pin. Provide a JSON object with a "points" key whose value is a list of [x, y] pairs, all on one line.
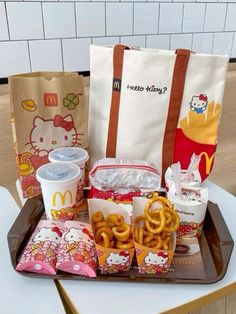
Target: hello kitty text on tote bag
{"points": [[48, 111], [157, 105]]}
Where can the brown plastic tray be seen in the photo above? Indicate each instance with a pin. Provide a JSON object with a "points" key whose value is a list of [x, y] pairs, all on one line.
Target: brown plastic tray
{"points": [[216, 245]]}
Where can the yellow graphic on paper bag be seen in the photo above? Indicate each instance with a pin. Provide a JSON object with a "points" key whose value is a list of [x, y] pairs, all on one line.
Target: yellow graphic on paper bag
{"points": [[62, 198], [33, 191], [25, 165], [202, 128], [29, 105], [209, 160]]}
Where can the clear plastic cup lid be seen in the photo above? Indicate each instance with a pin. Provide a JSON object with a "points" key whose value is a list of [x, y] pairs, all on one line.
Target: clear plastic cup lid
{"points": [[69, 154], [58, 172]]}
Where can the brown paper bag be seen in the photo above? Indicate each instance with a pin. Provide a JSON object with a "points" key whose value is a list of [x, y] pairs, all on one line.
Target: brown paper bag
{"points": [[48, 111]]}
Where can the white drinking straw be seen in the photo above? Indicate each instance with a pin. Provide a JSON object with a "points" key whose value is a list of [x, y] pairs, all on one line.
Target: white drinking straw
{"points": [[176, 172]]}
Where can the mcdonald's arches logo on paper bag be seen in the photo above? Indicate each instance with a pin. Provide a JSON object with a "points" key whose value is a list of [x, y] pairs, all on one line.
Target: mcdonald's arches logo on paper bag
{"points": [[62, 197], [208, 160], [50, 99]]}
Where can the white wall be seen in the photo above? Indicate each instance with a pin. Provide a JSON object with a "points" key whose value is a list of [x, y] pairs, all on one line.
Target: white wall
{"points": [[55, 35]]}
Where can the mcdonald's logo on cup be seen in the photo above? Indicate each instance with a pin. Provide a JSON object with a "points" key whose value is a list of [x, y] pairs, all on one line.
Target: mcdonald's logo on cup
{"points": [[50, 99], [60, 198], [208, 160]]}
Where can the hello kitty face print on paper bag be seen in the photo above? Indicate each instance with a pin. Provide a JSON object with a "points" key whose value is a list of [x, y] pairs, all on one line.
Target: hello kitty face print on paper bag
{"points": [[48, 111], [48, 134]]}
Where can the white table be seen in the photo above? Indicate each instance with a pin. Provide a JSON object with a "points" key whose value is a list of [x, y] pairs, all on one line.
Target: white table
{"points": [[139, 298], [19, 294]]}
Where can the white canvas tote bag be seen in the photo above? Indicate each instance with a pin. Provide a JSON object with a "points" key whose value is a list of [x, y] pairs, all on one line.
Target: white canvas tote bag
{"points": [[156, 105]]}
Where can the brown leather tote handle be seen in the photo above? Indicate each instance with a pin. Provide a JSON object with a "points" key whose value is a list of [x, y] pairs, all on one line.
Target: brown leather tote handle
{"points": [[118, 57], [176, 96]]}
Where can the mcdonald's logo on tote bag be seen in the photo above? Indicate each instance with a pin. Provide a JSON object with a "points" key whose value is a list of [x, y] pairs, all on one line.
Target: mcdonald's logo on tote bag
{"points": [[160, 106]]}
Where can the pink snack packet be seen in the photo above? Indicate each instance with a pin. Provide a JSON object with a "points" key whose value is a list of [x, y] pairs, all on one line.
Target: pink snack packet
{"points": [[40, 253], [77, 253]]}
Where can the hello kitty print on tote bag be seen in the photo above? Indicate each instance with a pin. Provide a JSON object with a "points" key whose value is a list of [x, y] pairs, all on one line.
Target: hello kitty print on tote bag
{"points": [[48, 111]]}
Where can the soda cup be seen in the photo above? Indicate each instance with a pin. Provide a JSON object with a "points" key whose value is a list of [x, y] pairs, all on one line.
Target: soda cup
{"points": [[59, 188], [76, 156]]}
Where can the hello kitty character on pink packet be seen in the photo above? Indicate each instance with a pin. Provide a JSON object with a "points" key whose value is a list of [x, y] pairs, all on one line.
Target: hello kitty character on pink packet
{"points": [[77, 253], [40, 253]]}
